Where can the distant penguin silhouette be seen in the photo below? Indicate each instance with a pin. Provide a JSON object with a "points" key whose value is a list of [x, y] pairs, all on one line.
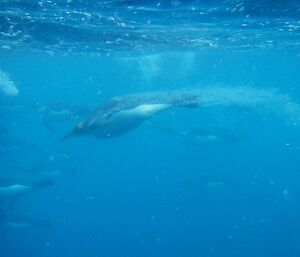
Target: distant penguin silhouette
{"points": [[10, 218], [198, 137], [124, 113], [16, 187], [17, 222], [11, 190], [11, 145], [55, 113]]}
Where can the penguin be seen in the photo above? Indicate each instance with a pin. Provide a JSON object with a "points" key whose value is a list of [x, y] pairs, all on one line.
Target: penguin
{"points": [[122, 114]]}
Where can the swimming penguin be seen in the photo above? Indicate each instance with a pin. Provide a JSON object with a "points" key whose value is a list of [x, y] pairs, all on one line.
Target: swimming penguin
{"points": [[210, 182], [11, 189], [11, 145], [15, 187], [19, 222], [124, 113], [54, 114], [10, 218], [198, 137]]}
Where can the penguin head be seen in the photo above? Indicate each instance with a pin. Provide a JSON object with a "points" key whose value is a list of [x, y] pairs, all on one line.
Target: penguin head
{"points": [[80, 126], [78, 130]]}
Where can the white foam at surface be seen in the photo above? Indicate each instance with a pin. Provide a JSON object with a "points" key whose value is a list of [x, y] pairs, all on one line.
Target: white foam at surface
{"points": [[7, 86], [254, 98]]}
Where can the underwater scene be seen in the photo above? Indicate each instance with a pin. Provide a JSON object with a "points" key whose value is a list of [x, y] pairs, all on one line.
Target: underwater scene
{"points": [[141, 128]]}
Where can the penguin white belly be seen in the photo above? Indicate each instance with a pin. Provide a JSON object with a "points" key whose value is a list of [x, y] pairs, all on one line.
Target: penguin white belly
{"points": [[144, 110], [124, 121], [15, 190]]}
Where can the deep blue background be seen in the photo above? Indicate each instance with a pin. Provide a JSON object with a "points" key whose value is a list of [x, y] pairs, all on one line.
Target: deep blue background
{"points": [[144, 194], [130, 195]]}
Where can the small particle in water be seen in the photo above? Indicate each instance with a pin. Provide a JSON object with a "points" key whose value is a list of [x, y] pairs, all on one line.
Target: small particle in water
{"points": [[285, 192], [230, 237]]}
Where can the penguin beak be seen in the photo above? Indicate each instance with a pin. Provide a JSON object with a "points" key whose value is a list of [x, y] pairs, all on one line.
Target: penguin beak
{"points": [[67, 136], [77, 131]]}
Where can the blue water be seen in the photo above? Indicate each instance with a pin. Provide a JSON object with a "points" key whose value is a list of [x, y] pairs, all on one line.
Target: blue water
{"points": [[216, 181]]}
